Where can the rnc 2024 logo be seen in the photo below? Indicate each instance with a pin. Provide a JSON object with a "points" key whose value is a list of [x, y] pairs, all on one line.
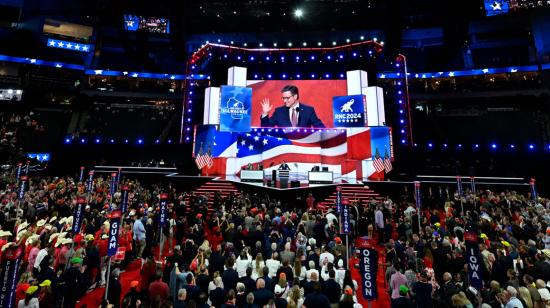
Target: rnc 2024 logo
{"points": [[348, 110], [235, 108]]}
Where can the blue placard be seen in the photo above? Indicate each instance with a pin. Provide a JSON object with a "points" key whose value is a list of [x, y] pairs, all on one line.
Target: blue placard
{"points": [[368, 265], [496, 7], [349, 111], [345, 227], [113, 234], [78, 213], [124, 199], [163, 209], [9, 275], [474, 260], [235, 107]]}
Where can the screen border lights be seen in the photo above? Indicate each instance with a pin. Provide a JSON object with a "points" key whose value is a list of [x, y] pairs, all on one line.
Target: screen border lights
{"points": [[68, 45]]}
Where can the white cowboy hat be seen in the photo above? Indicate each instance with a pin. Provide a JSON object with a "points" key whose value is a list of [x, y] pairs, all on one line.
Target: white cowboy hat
{"points": [[31, 239], [5, 233], [41, 222], [7, 245]]}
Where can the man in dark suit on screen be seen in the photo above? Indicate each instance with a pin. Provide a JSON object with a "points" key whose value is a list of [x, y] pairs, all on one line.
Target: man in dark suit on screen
{"points": [[292, 114]]}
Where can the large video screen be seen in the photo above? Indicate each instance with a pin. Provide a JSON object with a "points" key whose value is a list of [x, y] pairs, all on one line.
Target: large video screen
{"points": [[317, 94], [151, 24]]}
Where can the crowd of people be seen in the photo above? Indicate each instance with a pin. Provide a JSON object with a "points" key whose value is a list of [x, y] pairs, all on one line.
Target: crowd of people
{"points": [[254, 251]]}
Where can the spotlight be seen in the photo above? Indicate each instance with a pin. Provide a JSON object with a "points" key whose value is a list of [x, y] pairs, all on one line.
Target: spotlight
{"points": [[169, 140], [531, 147], [97, 140], [459, 145], [444, 145], [299, 13], [512, 146], [67, 140], [476, 145], [140, 141], [125, 140], [112, 141], [494, 146], [82, 140]]}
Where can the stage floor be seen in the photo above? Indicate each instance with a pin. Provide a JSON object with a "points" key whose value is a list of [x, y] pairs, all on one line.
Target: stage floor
{"points": [[295, 177]]}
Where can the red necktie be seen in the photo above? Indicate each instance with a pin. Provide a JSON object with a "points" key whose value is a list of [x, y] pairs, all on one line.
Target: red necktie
{"points": [[294, 119]]}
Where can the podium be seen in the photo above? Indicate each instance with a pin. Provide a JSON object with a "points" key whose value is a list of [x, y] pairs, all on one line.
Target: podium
{"points": [[283, 176]]}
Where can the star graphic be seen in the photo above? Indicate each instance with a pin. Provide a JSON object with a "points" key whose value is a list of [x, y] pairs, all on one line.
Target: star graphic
{"points": [[497, 6], [60, 44], [52, 43], [69, 45], [265, 141], [85, 48], [279, 139], [256, 138], [243, 143], [77, 47], [251, 147]]}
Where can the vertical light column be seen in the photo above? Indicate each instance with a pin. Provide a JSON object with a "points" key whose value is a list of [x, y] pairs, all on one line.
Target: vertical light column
{"points": [[211, 113], [236, 76]]}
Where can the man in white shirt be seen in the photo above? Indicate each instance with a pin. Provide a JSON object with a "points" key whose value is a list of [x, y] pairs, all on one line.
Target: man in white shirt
{"points": [[325, 257]]}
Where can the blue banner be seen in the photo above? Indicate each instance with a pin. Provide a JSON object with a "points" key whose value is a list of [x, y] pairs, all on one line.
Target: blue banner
{"points": [[338, 200], [533, 190], [118, 176], [21, 194], [11, 261], [235, 107], [163, 209], [349, 111], [368, 265], [344, 219], [81, 176], [18, 174], [90, 181], [112, 185], [474, 260], [417, 196], [78, 213], [113, 233], [124, 199]]}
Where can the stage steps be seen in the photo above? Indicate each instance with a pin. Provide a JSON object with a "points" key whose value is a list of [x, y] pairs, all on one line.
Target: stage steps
{"points": [[352, 192], [226, 188]]}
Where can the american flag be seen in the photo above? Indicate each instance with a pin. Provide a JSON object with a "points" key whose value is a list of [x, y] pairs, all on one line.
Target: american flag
{"points": [[377, 162], [200, 159], [208, 159], [343, 151], [303, 148], [387, 162]]}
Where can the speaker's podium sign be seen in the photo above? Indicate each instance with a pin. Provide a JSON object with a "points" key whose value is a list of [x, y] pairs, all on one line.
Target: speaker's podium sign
{"points": [[349, 111], [235, 106]]}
